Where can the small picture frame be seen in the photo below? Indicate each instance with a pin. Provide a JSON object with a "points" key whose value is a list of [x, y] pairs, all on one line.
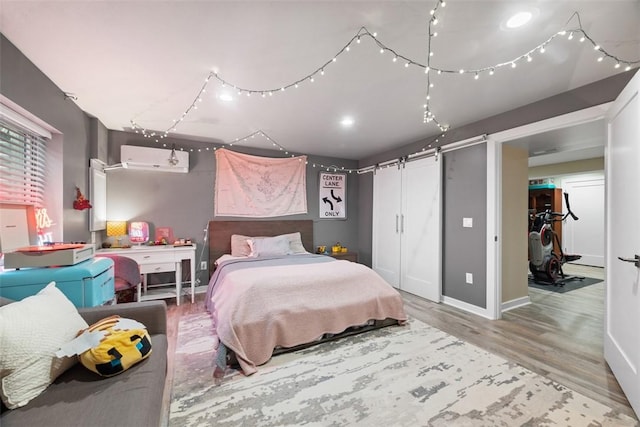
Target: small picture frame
{"points": [[165, 233]]}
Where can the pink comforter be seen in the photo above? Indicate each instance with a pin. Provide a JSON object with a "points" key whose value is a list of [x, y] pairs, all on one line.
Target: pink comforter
{"points": [[258, 308]]}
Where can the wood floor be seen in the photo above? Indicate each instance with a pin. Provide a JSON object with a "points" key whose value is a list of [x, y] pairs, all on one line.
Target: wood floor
{"points": [[558, 335]]}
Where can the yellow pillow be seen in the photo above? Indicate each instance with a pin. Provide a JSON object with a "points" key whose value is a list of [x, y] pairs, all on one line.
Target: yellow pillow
{"points": [[125, 343]]}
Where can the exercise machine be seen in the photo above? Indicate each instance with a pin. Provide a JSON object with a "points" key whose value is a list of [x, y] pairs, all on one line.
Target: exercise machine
{"points": [[544, 263]]}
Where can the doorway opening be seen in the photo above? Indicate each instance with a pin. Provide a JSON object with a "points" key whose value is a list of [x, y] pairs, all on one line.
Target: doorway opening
{"points": [[566, 328]]}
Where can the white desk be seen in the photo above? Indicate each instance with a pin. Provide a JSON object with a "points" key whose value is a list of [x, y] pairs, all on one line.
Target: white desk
{"points": [[159, 259]]}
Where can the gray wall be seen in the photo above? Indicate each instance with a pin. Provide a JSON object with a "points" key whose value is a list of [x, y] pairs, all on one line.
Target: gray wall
{"points": [[465, 196], [185, 201], [365, 223], [98, 143], [23, 83]]}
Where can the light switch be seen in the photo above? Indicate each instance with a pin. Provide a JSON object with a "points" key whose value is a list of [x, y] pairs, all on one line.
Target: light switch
{"points": [[467, 222], [469, 278]]}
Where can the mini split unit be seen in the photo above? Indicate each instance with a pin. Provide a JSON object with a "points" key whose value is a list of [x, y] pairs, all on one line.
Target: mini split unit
{"points": [[153, 159]]}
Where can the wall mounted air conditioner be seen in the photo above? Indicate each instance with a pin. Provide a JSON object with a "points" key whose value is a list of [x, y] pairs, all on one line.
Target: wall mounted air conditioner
{"points": [[154, 159]]}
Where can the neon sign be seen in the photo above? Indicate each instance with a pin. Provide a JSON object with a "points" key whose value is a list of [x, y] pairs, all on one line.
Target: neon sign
{"points": [[43, 222]]}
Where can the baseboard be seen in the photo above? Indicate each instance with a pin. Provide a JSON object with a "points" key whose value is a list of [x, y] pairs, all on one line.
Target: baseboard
{"points": [[474, 309], [515, 303]]}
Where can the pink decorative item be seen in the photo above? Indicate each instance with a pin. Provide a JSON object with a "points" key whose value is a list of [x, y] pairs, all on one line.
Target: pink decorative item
{"points": [[164, 236], [254, 186], [138, 232]]}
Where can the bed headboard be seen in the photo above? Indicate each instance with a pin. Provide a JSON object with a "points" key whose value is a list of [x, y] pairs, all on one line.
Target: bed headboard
{"points": [[220, 234]]}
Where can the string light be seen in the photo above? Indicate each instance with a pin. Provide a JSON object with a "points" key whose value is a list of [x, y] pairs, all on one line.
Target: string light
{"points": [[270, 140], [364, 32]]}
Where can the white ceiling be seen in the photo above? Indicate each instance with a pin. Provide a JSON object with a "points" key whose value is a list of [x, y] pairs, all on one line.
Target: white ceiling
{"points": [[147, 61]]}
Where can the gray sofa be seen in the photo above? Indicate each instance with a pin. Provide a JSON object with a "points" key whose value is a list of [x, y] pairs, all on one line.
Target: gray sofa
{"points": [[80, 397]]}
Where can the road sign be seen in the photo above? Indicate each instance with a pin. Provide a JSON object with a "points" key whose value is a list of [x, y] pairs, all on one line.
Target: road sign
{"points": [[333, 195]]}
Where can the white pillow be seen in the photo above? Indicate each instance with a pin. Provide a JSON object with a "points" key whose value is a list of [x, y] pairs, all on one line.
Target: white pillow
{"points": [[31, 331], [269, 246], [295, 243]]}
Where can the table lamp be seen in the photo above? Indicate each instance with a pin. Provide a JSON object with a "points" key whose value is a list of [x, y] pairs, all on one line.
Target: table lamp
{"points": [[116, 229]]}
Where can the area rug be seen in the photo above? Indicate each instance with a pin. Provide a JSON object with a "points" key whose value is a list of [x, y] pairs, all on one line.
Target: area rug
{"points": [[412, 375], [569, 286]]}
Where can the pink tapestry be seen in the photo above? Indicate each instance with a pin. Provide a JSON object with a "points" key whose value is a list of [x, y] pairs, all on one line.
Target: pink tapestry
{"points": [[252, 186]]}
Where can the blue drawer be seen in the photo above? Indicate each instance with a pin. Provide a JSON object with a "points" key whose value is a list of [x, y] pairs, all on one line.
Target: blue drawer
{"points": [[87, 284]]}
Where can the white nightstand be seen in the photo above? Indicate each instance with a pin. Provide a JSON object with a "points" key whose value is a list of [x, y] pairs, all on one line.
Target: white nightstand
{"points": [[159, 259]]}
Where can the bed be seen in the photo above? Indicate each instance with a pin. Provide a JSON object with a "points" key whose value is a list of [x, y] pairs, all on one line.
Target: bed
{"points": [[283, 297]]}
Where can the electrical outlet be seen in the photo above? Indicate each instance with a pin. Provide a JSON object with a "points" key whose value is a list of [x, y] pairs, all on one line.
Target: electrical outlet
{"points": [[203, 265], [469, 278]]}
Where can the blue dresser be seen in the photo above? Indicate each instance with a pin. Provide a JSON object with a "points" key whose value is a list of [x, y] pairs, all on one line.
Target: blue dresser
{"points": [[87, 284]]}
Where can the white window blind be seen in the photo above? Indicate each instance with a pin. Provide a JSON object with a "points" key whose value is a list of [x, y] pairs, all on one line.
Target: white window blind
{"points": [[22, 164]]}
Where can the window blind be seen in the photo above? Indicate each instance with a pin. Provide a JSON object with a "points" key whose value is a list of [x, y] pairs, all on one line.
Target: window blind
{"points": [[22, 164]]}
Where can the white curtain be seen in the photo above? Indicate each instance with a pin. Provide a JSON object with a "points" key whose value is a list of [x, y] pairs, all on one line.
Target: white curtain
{"points": [[252, 186]]}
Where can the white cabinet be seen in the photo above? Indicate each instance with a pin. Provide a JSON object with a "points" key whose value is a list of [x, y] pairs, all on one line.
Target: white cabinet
{"points": [[406, 227]]}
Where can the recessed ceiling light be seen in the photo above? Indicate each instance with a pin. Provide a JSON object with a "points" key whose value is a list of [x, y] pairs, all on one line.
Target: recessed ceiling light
{"points": [[225, 97], [347, 121], [519, 19]]}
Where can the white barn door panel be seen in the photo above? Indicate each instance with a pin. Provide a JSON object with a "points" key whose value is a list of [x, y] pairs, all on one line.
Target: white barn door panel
{"points": [[387, 199], [420, 259], [406, 227]]}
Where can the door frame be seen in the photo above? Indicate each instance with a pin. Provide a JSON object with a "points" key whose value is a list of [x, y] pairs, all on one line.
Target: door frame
{"points": [[494, 188]]}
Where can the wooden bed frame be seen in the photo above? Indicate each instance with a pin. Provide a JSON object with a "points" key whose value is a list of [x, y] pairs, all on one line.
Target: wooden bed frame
{"points": [[220, 232]]}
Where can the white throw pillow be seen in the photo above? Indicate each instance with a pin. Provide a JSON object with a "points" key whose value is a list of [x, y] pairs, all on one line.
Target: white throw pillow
{"points": [[269, 246], [31, 331], [295, 243]]}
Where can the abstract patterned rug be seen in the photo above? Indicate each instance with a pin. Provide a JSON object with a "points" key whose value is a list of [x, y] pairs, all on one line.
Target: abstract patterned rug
{"points": [[412, 375]]}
